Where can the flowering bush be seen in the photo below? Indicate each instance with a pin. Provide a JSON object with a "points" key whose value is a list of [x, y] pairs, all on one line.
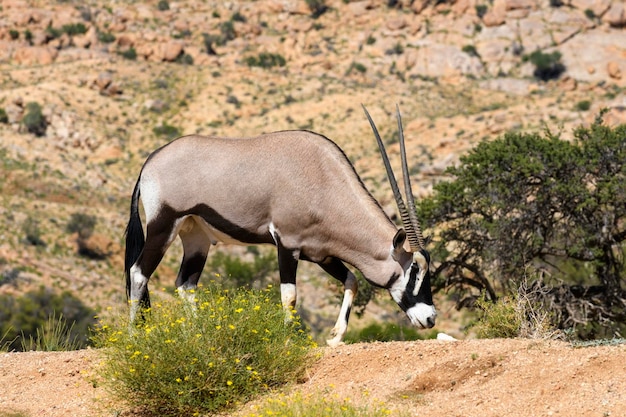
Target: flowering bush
{"points": [[187, 359]]}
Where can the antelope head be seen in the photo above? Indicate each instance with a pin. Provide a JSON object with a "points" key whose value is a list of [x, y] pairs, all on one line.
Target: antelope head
{"points": [[411, 291]]}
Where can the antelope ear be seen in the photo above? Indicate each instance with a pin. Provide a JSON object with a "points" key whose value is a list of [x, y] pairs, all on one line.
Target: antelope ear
{"points": [[398, 241]]}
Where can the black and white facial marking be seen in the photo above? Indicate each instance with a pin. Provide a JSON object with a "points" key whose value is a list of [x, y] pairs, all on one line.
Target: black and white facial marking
{"points": [[413, 293]]}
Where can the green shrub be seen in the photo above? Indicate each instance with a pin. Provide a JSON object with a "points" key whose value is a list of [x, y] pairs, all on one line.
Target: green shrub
{"points": [[168, 131], [481, 10], [81, 223], [34, 120], [43, 319], [386, 332], [265, 60], [32, 232], [106, 37], [500, 319], [231, 347], [548, 66], [74, 29], [520, 314], [14, 34], [185, 59], [4, 117], [470, 50], [317, 7], [129, 53], [321, 404], [54, 335], [583, 105], [237, 272], [163, 5], [53, 32]]}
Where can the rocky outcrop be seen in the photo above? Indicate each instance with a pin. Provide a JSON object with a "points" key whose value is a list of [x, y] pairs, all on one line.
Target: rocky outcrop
{"points": [[422, 38]]}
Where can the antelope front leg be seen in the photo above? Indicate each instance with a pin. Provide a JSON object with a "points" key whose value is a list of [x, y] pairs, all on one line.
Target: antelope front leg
{"points": [[350, 289]]}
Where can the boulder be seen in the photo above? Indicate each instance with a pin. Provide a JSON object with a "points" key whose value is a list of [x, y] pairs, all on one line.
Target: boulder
{"points": [[616, 16], [35, 55], [614, 70]]}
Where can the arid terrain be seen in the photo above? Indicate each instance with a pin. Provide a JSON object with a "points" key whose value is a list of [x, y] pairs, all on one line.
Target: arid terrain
{"points": [[425, 378], [115, 80]]}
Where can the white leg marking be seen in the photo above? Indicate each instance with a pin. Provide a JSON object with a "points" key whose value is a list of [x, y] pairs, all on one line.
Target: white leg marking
{"points": [[288, 299], [341, 326], [138, 283], [188, 294]]}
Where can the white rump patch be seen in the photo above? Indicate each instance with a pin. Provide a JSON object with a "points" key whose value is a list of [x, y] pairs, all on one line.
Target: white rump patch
{"points": [[150, 197]]}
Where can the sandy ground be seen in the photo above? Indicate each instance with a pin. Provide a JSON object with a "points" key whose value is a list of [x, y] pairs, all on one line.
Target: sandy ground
{"points": [[428, 378]]}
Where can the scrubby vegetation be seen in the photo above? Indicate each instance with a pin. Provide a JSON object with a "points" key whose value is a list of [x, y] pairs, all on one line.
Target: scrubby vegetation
{"points": [[534, 207], [44, 320], [231, 346], [320, 404]]}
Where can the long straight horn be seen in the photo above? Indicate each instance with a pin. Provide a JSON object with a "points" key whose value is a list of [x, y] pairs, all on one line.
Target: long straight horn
{"points": [[416, 239], [404, 214]]}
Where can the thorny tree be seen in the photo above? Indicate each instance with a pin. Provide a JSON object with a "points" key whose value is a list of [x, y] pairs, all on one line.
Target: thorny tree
{"points": [[539, 208]]}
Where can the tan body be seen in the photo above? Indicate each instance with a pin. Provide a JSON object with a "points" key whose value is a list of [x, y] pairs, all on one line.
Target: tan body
{"points": [[294, 189]]}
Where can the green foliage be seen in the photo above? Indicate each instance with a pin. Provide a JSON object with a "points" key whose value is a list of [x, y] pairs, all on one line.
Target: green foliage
{"points": [[234, 345], [356, 66], [530, 200], [47, 319], [185, 59], [386, 332], [470, 50], [54, 335], [130, 53], [396, 49], [320, 404], [53, 32], [4, 117], [106, 37], [166, 130], [14, 34], [317, 7], [237, 272], [265, 60], [163, 5], [34, 120], [517, 314], [32, 232], [583, 105], [74, 29], [83, 224], [499, 319], [548, 66], [481, 10]]}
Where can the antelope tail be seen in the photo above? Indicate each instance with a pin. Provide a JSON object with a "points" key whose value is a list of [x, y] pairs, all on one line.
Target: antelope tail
{"points": [[135, 239]]}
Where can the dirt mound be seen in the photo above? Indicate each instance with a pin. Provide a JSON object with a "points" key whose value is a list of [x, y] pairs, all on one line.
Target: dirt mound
{"points": [[434, 378]]}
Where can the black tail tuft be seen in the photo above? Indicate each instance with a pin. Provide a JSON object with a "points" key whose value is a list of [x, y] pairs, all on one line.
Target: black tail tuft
{"points": [[135, 242]]}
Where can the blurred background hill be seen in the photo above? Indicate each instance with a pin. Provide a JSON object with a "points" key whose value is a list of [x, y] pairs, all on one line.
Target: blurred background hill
{"points": [[89, 89]]}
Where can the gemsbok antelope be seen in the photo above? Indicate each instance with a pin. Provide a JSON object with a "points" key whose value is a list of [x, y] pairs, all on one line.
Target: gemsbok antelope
{"points": [[296, 190]]}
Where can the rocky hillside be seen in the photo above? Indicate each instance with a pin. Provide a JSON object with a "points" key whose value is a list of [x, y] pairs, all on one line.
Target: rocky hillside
{"points": [[88, 89]]}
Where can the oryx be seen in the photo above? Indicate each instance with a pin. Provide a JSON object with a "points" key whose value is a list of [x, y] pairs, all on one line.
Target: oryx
{"points": [[294, 189]]}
